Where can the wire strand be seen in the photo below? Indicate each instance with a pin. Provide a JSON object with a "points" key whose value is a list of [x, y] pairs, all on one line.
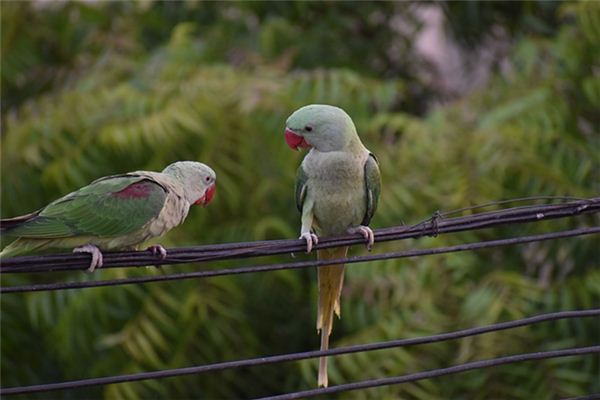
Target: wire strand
{"points": [[592, 396], [437, 372], [438, 223], [300, 264], [508, 201], [429, 227], [301, 356]]}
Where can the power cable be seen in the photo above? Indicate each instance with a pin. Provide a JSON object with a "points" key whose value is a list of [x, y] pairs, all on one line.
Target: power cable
{"points": [[299, 264], [430, 227], [436, 372], [302, 355]]}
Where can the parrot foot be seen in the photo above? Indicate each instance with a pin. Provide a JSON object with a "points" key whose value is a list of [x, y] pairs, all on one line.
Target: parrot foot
{"points": [[97, 259], [311, 240], [366, 232], [157, 249]]}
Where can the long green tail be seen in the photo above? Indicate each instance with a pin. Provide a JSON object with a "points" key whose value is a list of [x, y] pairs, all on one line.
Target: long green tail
{"points": [[23, 246], [331, 280]]}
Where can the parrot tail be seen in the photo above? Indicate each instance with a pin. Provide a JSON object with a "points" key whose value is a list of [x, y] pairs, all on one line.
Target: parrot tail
{"points": [[23, 246], [9, 223], [331, 280]]}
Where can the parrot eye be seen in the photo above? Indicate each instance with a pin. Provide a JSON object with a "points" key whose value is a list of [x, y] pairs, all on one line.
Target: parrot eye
{"points": [[308, 128], [207, 179]]}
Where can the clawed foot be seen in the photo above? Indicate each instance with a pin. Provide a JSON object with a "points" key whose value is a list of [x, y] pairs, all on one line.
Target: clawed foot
{"points": [[158, 250], [97, 259], [366, 232], [311, 240]]}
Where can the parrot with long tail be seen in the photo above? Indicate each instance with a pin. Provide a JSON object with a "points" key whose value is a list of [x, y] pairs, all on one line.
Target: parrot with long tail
{"points": [[116, 212], [337, 190]]}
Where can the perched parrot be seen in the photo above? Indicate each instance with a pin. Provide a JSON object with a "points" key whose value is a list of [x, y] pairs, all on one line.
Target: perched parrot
{"points": [[114, 213], [337, 189]]}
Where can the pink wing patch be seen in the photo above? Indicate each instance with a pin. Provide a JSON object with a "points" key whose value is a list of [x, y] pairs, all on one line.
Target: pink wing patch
{"points": [[135, 190]]}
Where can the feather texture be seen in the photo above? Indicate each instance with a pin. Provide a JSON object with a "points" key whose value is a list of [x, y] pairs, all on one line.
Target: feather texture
{"points": [[331, 281], [103, 208], [114, 212], [337, 190]]}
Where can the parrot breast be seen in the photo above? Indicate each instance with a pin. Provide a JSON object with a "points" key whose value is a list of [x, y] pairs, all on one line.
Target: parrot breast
{"points": [[336, 182], [173, 213]]}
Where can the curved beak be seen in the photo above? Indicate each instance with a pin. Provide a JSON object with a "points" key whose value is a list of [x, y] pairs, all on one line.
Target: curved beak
{"points": [[294, 140], [208, 195]]}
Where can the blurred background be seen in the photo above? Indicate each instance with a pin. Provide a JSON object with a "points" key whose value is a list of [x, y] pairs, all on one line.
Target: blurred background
{"points": [[462, 102]]}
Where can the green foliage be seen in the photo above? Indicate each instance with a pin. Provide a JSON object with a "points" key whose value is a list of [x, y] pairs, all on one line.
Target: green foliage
{"points": [[531, 131], [472, 22], [236, 33]]}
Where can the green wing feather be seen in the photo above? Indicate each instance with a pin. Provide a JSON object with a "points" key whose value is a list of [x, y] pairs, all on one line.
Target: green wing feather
{"points": [[300, 190], [104, 208], [372, 186]]}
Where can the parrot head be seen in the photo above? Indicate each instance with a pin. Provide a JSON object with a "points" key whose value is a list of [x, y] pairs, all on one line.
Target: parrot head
{"points": [[199, 180], [324, 127]]}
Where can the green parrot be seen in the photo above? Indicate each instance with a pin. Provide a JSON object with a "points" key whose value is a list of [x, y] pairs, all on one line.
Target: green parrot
{"points": [[114, 213], [337, 190]]}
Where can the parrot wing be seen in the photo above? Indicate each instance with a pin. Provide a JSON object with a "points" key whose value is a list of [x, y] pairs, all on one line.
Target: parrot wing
{"points": [[300, 190], [372, 186], [111, 206]]}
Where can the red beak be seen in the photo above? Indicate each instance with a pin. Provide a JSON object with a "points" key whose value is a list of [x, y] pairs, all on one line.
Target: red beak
{"points": [[207, 196], [295, 141]]}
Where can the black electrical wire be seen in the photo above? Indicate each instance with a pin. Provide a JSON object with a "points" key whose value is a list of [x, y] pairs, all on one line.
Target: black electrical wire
{"points": [[300, 356], [437, 372], [300, 264], [593, 396], [431, 227], [508, 201]]}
